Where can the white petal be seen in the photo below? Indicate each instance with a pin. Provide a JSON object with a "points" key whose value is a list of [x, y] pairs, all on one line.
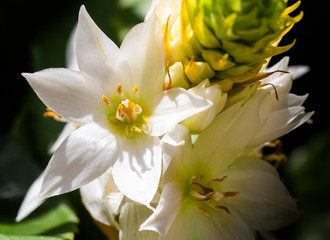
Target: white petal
{"points": [[85, 155], [280, 123], [281, 65], [144, 50], [92, 195], [70, 53], [131, 217], [200, 121], [31, 200], [263, 201], [231, 226], [65, 92], [172, 142], [189, 223], [173, 106], [97, 55], [164, 10], [228, 134], [67, 130], [138, 171], [298, 71], [112, 194], [168, 207]]}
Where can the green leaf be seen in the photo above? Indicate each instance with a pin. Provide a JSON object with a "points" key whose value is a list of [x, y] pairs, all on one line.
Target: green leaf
{"points": [[61, 219], [66, 236], [140, 7]]}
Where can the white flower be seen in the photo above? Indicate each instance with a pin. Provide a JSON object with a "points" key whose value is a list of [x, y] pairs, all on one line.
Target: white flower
{"points": [[118, 100], [216, 189], [216, 193], [280, 111], [104, 202]]}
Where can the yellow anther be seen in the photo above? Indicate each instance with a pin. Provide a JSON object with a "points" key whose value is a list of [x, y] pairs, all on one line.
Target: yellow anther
{"points": [[50, 113], [135, 89], [136, 129], [105, 100], [119, 90]]}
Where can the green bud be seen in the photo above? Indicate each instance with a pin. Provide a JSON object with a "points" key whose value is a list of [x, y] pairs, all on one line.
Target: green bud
{"points": [[176, 77], [198, 71]]}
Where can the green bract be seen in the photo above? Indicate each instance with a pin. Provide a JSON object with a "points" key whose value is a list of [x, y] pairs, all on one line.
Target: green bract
{"points": [[233, 38]]}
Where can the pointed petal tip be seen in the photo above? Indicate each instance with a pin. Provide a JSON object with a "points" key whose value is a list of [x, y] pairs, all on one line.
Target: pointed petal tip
{"points": [[82, 10], [83, 13], [27, 76]]}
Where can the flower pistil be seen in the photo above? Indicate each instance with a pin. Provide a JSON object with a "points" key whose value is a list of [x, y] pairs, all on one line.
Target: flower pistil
{"points": [[202, 192]]}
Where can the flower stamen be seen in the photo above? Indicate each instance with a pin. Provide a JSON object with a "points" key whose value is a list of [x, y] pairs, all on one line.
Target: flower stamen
{"points": [[106, 100], [196, 179], [50, 113], [136, 129], [230, 194], [216, 179], [219, 207], [120, 92], [135, 89], [202, 210]]}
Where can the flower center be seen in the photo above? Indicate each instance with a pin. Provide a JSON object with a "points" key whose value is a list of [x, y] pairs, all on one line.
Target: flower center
{"points": [[202, 192], [127, 112]]}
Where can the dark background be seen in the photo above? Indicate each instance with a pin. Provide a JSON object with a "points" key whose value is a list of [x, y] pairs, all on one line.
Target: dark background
{"points": [[28, 32]]}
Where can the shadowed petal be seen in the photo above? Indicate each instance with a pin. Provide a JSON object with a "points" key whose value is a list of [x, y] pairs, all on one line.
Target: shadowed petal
{"points": [[138, 171], [263, 201]]}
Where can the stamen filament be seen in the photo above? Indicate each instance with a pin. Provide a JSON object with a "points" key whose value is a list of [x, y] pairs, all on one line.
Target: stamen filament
{"points": [[266, 84]]}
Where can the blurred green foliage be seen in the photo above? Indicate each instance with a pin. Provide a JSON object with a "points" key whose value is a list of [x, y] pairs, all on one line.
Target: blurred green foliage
{"points": [[308, 174]]}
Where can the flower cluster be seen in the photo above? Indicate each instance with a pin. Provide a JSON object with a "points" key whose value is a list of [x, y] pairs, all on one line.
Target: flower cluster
{"points": [[164, 133]]}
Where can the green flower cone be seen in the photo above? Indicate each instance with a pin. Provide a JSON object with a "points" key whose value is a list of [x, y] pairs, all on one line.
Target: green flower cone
{"points": [[230, 39]]}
